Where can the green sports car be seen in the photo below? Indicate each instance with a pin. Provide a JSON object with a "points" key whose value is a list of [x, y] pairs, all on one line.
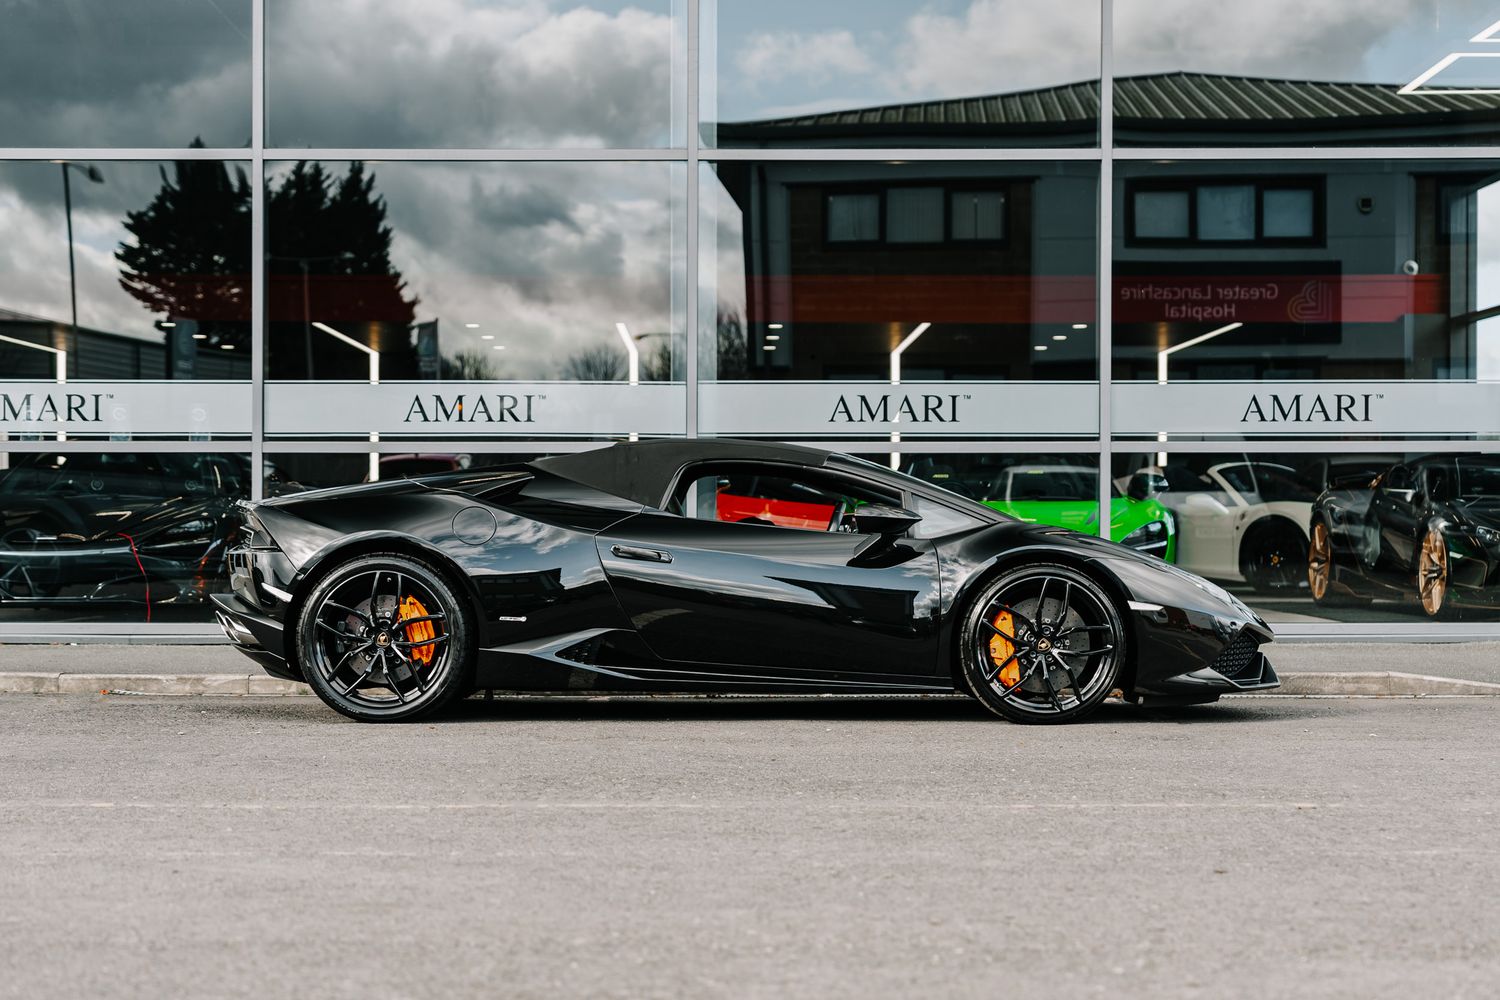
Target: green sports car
{"points": [[1066, 495]]}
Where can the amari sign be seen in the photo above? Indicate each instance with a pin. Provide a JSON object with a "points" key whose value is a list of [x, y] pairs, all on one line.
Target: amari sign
{"points": [[136, 409], [1285, 409], [916, 409], [488, 409]]}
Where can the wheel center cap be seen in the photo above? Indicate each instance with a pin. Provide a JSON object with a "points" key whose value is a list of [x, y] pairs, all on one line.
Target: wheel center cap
{"points": [[1044, 644], [383, 639]]}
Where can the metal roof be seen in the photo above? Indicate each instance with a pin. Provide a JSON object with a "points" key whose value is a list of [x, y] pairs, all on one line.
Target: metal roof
{"points": [[1161, 98]]}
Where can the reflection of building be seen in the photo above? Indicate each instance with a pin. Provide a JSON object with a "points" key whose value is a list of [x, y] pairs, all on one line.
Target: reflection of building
{"points": [[1163, 109], [99, 355], [840, 262]]}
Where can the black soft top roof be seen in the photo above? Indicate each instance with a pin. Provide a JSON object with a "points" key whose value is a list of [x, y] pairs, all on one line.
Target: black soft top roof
{"points": [[642, 471]]}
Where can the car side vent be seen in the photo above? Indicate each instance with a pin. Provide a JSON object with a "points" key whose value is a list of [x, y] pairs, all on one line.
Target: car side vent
{"points": [[1238, 660], [586, 651]]}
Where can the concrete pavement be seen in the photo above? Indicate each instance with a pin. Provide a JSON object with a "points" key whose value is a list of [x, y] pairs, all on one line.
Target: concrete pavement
{"points": [[249, 848]]}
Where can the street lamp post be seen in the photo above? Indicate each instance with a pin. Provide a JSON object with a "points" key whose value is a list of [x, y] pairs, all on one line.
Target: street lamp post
{"points": [[92, 173]]}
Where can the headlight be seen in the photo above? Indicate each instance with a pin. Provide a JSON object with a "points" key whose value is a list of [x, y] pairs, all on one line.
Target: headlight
{"points": [[195, 532], [1151, 537], [1487, 536]]}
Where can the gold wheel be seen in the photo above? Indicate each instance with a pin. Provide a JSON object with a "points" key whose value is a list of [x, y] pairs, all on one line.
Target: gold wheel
{"points": [[1319, 561], [1432, 573]]}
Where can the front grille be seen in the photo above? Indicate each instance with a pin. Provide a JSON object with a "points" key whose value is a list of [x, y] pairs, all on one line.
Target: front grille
{"points": [[1238, 660]]}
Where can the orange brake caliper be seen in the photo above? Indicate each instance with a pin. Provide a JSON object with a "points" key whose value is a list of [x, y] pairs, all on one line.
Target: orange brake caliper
{"points": [[1001, 649], [413, 608]]}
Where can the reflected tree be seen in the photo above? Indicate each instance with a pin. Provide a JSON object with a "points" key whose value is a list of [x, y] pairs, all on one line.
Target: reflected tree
{"points": [[601, 363], [190, 259], [730, 340], [468, 366]]}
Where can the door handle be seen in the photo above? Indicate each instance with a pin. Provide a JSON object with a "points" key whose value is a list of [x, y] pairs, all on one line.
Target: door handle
{"points": [[645, 555]]}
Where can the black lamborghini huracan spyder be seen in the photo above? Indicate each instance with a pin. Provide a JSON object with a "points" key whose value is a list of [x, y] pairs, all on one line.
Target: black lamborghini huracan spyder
{"points": [[715, 565]]}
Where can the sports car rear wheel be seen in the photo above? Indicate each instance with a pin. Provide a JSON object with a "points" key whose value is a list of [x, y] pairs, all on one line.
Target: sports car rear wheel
{"points": [[1322, 576], [1432, 573], [384, 638], [1042, 643]]}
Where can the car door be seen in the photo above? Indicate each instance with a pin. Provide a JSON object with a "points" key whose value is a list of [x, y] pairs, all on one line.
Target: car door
{"points": [[742, 574], [1394, 511]]}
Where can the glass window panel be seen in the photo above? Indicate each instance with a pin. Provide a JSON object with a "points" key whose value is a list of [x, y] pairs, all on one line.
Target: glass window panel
{"points": [[147, 74], [856, 73], [157, 268], [853, 218], [1288, 214], [377, 74], [474, 271], [781, 302], [1226, 213], [1337, 72], [1397, 286], [1162, 215], [131, 537], [979, 215], [1257, 543], [914, 215]]}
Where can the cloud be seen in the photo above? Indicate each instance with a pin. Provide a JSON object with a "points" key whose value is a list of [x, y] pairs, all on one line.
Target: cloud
{"points": [[998, 45], [376, 73], [1327, 40], [815, 57], [144, 73]]}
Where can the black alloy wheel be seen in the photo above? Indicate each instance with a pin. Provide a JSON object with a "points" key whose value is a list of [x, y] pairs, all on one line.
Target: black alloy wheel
{"points": [[1271, 556], [1042, 643], [384, 638]]}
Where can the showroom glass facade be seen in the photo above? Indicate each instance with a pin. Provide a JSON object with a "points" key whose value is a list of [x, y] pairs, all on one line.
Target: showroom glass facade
{"points": [[259, 246]]}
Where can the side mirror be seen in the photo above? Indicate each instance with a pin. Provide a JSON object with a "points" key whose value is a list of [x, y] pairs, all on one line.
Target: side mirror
{"points": [[1145, 484], [883, 519]]}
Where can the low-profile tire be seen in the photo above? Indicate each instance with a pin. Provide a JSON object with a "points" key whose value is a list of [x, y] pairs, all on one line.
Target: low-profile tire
{"points": [[1269, 556], [1063, 651], [1434, 584], [385, 638], [1322, 572]]}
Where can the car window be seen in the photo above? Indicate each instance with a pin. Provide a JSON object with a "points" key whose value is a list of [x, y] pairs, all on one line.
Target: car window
{"points": [[759, 495], [1023, 484], [1399, 478], [939, 520], [1239, 477], [1278, 482], [1478, 479]]}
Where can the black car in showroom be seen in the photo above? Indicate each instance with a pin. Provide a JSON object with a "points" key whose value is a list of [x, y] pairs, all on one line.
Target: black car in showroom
{"points": [[131, 530], [728, 566], [1427, 529]]}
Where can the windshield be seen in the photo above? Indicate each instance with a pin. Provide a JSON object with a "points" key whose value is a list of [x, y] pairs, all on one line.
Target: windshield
{"points": [[1055, 485], [1478, 479], [919, 485]]}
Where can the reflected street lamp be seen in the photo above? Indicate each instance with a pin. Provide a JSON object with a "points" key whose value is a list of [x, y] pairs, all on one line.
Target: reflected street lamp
{"points": [[92, 173], [1161, 369], [374, 380], [907, 341]]}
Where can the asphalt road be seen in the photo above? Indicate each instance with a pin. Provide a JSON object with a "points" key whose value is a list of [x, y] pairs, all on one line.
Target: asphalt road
{"points": [[236, 847]]}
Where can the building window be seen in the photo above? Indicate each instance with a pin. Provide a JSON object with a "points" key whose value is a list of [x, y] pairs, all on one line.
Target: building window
{"points": [[853, 218], [1222, 212], [915, 215], [979, 215]]}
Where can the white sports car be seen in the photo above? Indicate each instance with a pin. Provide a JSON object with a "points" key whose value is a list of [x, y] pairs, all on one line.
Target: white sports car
{"points": [[1239, 521]]}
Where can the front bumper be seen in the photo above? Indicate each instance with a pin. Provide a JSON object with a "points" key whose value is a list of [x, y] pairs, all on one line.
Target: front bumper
{"points": [[1239, 666], [253, 633]]}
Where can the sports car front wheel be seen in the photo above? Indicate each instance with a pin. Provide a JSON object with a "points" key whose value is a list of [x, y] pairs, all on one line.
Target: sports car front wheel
{"points": [[1042, 643], [383, 638]]}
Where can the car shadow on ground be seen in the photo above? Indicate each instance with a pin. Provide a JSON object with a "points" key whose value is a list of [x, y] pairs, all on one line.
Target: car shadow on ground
{"points": [[952, 709]]}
